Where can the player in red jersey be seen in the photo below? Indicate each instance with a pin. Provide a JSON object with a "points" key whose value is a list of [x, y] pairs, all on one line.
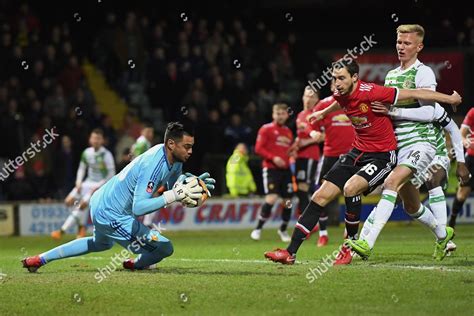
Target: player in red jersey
{"points": [[338, 135], [306, 148], [367, 164], [464, 190], [273, 144]]}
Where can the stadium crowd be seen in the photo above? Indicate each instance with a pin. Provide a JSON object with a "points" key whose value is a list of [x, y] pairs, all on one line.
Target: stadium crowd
{"points": [[224, 76]]}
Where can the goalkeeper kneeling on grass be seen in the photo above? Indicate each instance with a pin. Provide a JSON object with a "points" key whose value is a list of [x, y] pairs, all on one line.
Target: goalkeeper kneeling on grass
{"points": [[132, 193]]}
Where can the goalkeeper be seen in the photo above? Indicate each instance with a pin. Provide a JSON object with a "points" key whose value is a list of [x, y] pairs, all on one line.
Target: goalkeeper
{"points": [[132, 193]]}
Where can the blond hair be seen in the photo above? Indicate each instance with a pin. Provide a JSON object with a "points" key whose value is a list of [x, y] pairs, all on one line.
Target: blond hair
{"points": [[280, 106], [412, 28]]}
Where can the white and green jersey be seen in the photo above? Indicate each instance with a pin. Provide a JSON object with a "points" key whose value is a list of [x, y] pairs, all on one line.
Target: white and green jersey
{"points": [[99, 164], [141, 145], [441, 149], [416, 76]]}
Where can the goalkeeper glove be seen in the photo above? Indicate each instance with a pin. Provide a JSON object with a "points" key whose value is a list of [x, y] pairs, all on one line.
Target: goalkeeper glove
{"points": [[181, 190], [206, 177]]}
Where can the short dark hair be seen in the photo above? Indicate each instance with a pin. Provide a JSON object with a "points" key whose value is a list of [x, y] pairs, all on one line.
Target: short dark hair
{"points": [[176, 131], [147, 124], [351, 65], [98, 131]]}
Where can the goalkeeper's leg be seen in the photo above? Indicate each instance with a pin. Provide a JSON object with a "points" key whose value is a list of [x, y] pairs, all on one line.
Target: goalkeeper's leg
{"points": [[150, 246], [99, 242]]}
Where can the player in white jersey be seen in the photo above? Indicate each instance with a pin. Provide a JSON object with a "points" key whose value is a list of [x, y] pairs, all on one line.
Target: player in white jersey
{"points": [[99, 164], [417, 147], [143, 143]]}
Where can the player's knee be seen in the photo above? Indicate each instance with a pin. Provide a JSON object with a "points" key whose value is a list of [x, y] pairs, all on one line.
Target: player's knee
{"points": [[166, 249], [321, 197], [95, 246], [351, 190], [391, 183], [462, 194], [303, 187], [271, 198]]}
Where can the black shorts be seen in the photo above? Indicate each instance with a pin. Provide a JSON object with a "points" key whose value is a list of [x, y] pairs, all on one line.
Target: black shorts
{"points": [[470, 167], [374, 167], [306, 170], [325, 164], [277, 181]]}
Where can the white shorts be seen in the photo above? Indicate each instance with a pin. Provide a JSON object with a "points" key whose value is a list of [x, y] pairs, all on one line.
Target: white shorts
{"points": [[417, 156], [437, 163], [86, 191], [442, 161]]}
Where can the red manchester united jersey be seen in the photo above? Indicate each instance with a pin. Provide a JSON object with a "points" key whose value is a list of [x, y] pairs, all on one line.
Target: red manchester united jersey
{"points": [[303, 128], [273, 140], [338, 129], [469, 123], [374, 132]]}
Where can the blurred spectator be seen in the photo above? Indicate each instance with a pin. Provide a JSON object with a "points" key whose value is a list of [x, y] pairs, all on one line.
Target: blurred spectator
{"points": [[236, 133], [64, 168], [55, 105], [212, 131], [224, 111], [169, 89], [110, 135], [252, 118], [71, 77], [125, 159], [19, 188], [226, 74]]}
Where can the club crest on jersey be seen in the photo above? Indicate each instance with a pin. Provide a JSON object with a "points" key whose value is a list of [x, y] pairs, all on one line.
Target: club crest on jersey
{"points": [[408, 84], [149, 187], [364, 108]]}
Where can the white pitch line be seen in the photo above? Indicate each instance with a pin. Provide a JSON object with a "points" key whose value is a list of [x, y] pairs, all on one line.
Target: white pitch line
{"points": [[426, 268], [306, 262], [218, 260]]}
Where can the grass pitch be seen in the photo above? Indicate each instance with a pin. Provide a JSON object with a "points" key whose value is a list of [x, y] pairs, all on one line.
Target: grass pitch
{"points": [[224, 272]]}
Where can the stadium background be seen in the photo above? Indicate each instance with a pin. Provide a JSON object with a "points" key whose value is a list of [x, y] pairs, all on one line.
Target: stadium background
{"points": [[77, 66]]}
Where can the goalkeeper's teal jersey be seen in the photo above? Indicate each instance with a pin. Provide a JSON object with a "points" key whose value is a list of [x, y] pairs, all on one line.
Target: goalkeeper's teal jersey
{"points": [[132, 191]]}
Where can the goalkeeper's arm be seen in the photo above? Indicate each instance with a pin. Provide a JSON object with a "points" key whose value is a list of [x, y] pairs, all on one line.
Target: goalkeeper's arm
{"points": [[181, 190]]}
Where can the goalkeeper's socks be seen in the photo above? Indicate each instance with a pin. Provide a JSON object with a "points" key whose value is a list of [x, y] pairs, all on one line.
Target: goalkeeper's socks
{"points": [[73, 248], [424, 216], [457, 206], [264, 215], [304, 226], [352, 215], [381, 216]]}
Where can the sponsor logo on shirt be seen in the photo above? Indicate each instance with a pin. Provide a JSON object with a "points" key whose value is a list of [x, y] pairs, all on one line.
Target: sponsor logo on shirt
{"points": [[283, 141], [340, 120], [360, 122]]}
